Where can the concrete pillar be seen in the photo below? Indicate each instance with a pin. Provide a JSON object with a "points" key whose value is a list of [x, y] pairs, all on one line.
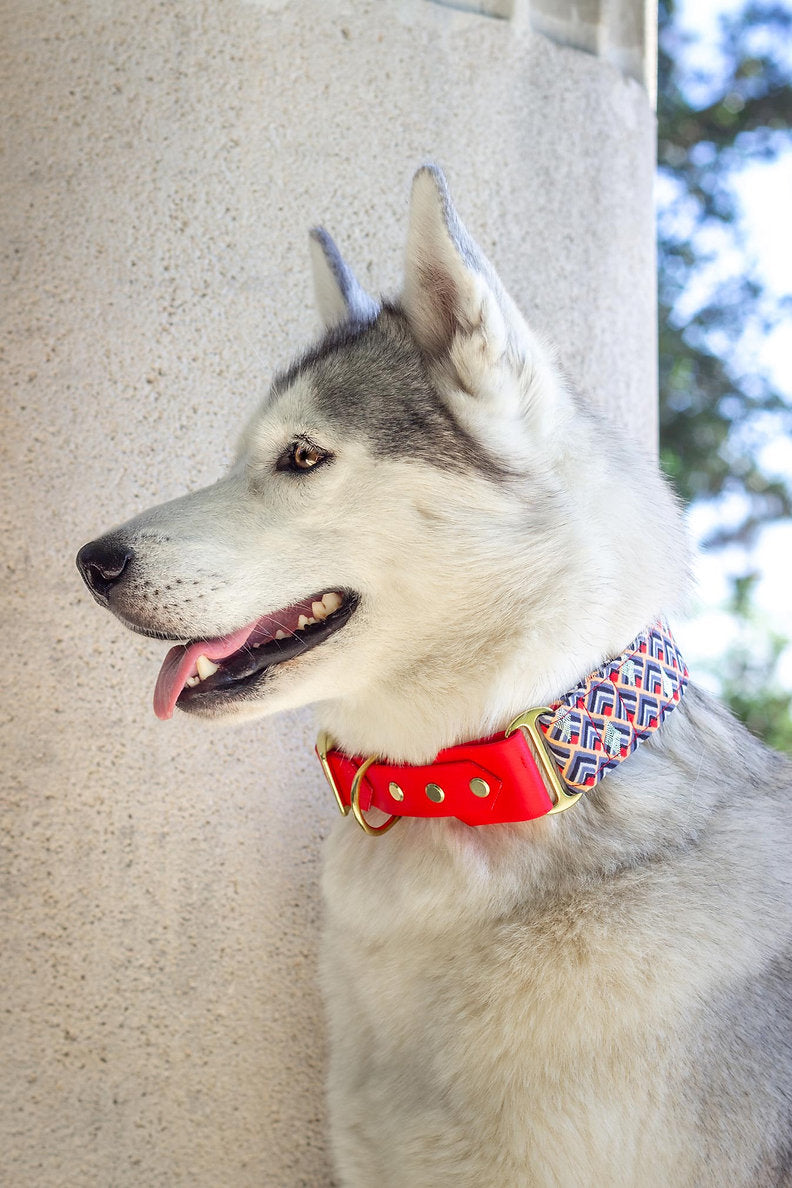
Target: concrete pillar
{"points": [[164, 163]]}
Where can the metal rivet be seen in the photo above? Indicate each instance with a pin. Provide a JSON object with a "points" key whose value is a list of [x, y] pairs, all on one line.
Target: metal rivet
{"points": [[479, 787], [396, 792], [435, 793]]}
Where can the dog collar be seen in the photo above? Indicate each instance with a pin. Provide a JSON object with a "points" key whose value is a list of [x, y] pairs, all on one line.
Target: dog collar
{"points": [[541, 764]]}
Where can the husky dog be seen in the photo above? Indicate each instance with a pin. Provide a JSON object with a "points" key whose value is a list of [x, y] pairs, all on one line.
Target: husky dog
{"points": [[426, 533]]}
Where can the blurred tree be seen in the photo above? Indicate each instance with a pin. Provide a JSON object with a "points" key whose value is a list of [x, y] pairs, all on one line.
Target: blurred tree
{"points": [[720, 109]]}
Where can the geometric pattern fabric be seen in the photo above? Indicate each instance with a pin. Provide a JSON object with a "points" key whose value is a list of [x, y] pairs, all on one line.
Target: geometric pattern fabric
{"points": [[602, 720]]}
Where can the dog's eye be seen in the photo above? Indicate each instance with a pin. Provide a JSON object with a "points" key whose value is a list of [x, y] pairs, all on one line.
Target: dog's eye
{"points": [[301, 455]]}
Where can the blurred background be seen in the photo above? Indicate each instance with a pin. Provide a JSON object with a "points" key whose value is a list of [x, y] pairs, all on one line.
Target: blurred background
{"points": [[725, 308]]}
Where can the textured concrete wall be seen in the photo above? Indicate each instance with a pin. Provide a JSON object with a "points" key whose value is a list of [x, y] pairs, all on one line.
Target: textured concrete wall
{"points": [[163, 163], [622, 32]]}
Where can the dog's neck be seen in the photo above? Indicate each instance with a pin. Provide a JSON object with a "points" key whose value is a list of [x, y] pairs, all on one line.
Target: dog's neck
{"points": [[411, 720]]}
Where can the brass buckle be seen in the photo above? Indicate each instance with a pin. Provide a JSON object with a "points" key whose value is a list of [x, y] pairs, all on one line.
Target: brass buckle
{"points": [[324, 743], [562, 797]]}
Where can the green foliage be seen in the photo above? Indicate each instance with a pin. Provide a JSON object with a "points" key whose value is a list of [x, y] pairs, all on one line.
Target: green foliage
{"points": [[716, 409], [749, 688]]}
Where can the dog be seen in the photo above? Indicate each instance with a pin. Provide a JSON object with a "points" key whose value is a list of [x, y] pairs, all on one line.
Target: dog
{"points": [[431, 536]]}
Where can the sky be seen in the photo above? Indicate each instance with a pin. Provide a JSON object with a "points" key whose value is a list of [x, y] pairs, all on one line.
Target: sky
{"points": [[765, 199]]}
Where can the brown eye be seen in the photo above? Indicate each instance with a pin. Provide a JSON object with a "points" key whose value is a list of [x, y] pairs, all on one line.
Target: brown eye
{"points": [[302, 455], [306, 455]]}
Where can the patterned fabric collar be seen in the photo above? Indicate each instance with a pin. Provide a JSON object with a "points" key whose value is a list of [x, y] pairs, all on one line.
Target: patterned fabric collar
{"points": [[596, 725], [540, 765]]}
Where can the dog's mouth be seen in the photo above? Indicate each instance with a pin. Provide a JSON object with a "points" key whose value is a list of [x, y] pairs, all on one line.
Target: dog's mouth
{"points": [[214, 670]]}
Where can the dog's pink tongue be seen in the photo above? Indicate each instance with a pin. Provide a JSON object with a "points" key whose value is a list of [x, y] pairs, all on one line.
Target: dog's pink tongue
{"points": [[179, 664]]}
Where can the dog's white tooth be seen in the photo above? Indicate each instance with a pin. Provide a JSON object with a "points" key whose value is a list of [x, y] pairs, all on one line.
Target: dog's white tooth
{"points": [[302, 622], [319, 611], [280, 634], [332, 601], [310, 622], [194, 680], [205, 667]]}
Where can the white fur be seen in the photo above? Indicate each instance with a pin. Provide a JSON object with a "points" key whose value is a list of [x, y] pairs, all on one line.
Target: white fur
{"points": [[514, 1005]]}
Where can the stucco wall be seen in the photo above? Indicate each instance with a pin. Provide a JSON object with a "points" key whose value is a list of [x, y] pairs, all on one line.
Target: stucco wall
{"points": [[164, 161]]}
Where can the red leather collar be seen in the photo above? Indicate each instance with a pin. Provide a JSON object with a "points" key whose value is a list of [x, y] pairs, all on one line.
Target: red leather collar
{"points": [[540, 765], [481, 783]]}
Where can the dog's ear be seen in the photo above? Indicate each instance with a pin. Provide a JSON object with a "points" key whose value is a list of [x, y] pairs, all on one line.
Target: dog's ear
{"points": [[339, 295], [466, 323], [450, 288]]}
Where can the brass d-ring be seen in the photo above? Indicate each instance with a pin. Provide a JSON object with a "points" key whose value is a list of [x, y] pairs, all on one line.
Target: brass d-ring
{"points": [[357, 812]]}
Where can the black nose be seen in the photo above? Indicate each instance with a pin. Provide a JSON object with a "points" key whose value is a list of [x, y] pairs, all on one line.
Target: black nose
{"points": [[101, 564]]}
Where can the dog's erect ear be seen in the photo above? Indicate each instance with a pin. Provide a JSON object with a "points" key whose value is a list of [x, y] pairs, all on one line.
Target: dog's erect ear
{"points": [[450, 288], [339, 296], [467, 324]]}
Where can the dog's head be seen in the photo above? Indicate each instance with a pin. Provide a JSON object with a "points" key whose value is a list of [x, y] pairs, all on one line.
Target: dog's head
{"points": [[400, 510]]}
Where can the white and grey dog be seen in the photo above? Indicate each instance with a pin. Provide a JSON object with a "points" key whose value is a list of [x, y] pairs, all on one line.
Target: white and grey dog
{"points": [[418, 536]]}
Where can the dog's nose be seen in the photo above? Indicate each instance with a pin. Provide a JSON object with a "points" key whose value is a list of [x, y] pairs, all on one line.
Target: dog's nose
{"points": [[101, 564]]}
